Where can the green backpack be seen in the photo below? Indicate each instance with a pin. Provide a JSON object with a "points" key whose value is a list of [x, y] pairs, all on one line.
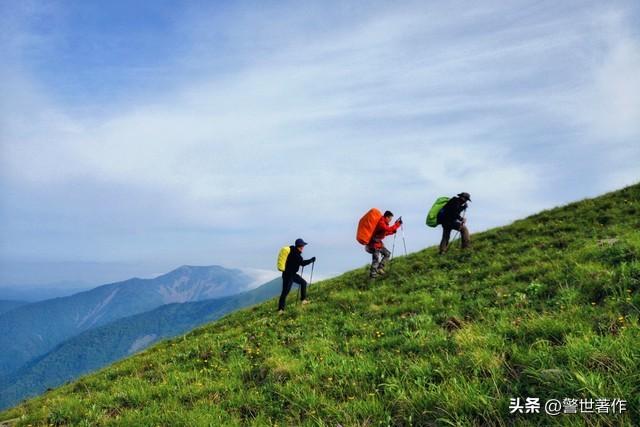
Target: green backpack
{"points": [[432, 217]]}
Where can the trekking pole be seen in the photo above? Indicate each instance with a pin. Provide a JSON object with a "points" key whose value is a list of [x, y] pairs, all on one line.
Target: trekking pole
{"points": [[313, 264], [404, 242], [393, 246], [301, 274], [455, 236]]}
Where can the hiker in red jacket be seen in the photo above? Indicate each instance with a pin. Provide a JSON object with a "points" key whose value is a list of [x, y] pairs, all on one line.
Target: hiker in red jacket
{"points": [[376, 247]]}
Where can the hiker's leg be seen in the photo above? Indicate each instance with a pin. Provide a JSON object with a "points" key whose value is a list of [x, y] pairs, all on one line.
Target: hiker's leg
{"points": [[375, 262], [444, 242], [464, 232], [303, 286], [286, 287], [385, 256]]}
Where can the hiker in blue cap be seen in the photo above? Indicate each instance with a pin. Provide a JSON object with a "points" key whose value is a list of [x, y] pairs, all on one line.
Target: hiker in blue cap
{"points": [[290, 274]]}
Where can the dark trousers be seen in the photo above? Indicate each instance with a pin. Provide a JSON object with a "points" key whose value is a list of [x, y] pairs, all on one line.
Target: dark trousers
{"points": [[287, 282], [379, 258], [446, 234]]}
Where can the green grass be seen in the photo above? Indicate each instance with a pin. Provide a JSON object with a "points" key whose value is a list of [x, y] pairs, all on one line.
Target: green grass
{"points": [[546, 307]]}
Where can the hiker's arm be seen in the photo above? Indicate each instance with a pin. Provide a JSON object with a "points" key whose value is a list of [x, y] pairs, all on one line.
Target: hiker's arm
{"points": [[388, 229], [461, 208], [308, 261], [392, 229]]}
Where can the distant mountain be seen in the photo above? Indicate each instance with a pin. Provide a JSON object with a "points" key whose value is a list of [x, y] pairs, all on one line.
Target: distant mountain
{"points": [[100, 346], [32, 330], [6, 305]]}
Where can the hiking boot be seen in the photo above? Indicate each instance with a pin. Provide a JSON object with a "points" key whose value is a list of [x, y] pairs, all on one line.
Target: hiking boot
{"points": [[281, 312], [381, 271], [305, 301]]}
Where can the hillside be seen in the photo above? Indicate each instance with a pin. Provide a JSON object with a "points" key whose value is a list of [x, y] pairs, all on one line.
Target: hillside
{"points": [[7, 305], [34, 329], [545, 307], [100, 346]]}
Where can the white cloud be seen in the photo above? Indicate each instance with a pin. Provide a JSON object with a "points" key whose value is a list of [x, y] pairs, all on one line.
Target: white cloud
{"points": [[615, 102], [391, 109], [605, 102]]}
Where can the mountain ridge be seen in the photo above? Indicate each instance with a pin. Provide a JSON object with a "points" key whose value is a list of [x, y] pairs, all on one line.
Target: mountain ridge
{"points": [[9, 304], [96, 347], [33, 329]]}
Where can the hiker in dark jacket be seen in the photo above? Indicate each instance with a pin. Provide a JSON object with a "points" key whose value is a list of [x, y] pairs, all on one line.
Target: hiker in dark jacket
{"points": [[450, 217], [290, 274], [379, 254]]}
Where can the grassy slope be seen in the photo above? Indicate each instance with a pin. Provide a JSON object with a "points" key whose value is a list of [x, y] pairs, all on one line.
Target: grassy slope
{"points": [[544, 307], [105, 344]]}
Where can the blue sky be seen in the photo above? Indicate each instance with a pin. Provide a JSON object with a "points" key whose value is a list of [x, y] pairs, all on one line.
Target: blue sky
{"points": [[145, 135]]}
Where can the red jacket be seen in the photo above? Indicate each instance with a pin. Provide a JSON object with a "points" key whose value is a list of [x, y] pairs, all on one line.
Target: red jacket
{"points": [[383, 229]]}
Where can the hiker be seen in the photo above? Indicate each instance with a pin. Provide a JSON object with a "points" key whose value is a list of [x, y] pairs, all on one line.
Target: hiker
{"points": [[290, 273], [450, 217], [376, 247]]}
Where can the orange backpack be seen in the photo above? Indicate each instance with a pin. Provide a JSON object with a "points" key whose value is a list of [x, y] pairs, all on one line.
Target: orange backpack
{"points": [[367, 225]]}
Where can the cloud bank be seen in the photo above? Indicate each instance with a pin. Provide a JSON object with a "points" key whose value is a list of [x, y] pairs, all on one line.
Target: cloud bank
{"points": [[264, 125]]}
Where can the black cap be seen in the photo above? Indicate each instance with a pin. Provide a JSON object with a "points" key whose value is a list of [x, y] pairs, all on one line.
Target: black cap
{"points": [[300, 242], [465, 195]]}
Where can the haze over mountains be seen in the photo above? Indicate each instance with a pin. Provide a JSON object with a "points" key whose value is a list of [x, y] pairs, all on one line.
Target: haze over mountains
{"points": [[39, 280], [42, 291], [29, 331]]}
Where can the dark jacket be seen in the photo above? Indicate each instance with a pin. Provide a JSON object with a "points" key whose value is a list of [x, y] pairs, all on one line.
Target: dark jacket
{"points": [[452, 211], [294, 261]]}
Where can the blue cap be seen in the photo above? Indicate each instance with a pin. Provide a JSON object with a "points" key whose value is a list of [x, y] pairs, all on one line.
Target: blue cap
{"points": [[300, 242]]}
